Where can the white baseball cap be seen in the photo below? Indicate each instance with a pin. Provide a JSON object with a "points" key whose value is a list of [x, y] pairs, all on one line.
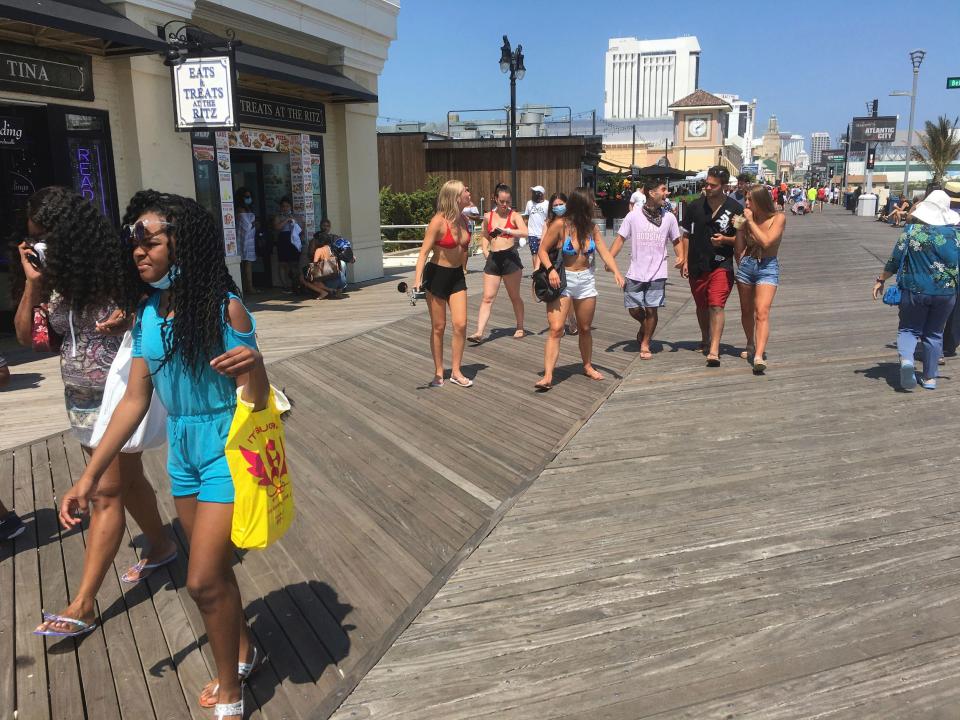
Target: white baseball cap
{"points": [[539, 189]]}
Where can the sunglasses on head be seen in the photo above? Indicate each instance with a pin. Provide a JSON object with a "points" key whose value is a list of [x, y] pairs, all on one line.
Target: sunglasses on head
{"points": [[137, 232]]}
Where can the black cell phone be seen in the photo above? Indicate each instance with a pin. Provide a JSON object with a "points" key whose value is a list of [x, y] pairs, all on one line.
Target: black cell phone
{"points": [[496, 231]]}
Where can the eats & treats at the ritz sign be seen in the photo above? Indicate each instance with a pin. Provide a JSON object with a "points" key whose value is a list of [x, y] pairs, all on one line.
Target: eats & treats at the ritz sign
{"points": [[203, 90]]}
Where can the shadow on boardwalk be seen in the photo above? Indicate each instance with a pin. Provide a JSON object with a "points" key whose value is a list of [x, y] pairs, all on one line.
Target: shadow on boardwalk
{"points": [[395, 486], [717, 545]]}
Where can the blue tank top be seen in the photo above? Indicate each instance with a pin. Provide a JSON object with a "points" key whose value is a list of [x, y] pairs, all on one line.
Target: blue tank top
{"points": [[182, 390]]}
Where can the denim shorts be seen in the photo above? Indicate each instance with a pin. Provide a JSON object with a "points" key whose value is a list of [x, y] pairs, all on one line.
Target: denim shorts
{"points": [[638, 294], [759, 272]]}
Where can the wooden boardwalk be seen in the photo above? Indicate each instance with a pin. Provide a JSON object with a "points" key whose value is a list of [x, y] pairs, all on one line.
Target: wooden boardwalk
{"points": [[286, 325], [396, 484], [717, 545]]}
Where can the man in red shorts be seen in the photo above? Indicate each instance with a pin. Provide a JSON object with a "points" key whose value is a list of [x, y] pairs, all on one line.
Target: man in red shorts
{"points": [[708, 238]]}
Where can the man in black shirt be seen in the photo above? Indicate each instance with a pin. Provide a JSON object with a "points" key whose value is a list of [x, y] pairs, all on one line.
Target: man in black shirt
{"points": [[708, 238]]}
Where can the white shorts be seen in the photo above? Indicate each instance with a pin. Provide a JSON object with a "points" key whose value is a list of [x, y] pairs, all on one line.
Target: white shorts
{"points": [[581, 284]]}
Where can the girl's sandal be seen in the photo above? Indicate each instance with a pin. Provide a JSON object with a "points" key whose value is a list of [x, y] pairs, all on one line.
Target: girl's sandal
{"points": [[244, 671], [222, 710]]}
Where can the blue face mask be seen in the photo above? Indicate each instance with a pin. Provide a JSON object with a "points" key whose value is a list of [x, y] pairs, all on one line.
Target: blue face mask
{"points": [[559, 210], [166, 281], [248, 201]]}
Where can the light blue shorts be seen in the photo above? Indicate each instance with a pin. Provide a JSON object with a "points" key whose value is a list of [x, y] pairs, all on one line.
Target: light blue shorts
{"points": [[638, 294], [196, 462], [759, 272]]}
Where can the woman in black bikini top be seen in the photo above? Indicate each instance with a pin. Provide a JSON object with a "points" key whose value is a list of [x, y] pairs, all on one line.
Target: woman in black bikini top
{"points": [[502, 230]]}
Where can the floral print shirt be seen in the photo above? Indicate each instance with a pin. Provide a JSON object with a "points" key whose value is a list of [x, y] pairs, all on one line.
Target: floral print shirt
{"points": [[930, 259]]}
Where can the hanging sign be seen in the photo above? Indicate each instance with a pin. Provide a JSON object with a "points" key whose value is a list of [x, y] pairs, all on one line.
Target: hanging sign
{"points": [[203, 93], [28, 69]]}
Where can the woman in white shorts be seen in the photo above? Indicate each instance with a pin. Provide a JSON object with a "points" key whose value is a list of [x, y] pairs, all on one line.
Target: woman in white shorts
{"points": [[578, 239]]}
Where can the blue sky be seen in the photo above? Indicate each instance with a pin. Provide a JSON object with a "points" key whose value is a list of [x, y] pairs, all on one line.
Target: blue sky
{"points": [[814, 70]]}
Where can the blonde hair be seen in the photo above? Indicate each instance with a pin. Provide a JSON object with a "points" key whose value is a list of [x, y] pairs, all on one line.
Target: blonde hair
{"points": [[447, 200]]}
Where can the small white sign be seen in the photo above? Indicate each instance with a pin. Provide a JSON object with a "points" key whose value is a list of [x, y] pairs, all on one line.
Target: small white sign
{"points": [[203, 92]]}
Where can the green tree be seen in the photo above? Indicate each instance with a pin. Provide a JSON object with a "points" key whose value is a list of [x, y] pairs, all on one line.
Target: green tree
{"points": [[939, 146]]}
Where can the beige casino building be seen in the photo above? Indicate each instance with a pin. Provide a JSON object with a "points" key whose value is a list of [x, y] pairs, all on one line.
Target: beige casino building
{"points": [[87, 101]]}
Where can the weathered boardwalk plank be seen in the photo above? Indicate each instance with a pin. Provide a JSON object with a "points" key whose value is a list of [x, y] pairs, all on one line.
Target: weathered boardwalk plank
{"points": [[717, 545], [396, 484]]}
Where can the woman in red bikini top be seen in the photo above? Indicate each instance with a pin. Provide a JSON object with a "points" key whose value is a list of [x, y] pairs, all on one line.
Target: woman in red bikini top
{"points": [[446, 241]]}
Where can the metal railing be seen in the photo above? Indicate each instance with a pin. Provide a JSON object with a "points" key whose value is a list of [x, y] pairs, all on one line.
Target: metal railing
{"points": [[474, 244]]}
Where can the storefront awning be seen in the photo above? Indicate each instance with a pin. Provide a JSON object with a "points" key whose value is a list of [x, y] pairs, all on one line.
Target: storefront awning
{"points": [[84, 25], [285, 75]]}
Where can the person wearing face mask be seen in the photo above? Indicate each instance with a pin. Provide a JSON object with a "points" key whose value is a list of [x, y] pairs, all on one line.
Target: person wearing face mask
{"points": [[558, 208], [247, 226], [86, 277], [536, 215]]}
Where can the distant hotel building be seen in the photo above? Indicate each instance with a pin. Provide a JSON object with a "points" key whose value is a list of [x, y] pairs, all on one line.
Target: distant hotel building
{"points": [[643, 77], [819, 141]]}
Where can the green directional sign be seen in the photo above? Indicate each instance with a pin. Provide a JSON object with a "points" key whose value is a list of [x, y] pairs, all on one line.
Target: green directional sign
{"points": [[953, 83]]}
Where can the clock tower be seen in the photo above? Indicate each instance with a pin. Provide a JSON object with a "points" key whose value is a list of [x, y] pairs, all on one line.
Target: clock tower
{"points": [[699, 129]]}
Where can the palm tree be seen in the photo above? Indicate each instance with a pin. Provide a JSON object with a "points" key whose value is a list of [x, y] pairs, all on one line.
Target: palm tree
{"points": [[939, 146]]}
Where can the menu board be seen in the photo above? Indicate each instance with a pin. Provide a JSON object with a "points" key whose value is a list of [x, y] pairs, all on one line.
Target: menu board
{"points": [[301, 177], [262, 140], [227, 212]]}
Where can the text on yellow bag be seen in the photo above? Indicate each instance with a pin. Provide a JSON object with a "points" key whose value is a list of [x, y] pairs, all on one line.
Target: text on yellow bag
{"points": [[256, 454]]}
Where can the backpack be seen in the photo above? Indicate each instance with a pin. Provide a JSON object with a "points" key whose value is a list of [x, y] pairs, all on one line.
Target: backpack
{"points": [[343, 250]]}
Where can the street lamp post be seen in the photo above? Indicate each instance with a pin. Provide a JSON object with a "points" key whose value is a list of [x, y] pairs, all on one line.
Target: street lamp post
{"points": [[512, 61], [916, 57]]}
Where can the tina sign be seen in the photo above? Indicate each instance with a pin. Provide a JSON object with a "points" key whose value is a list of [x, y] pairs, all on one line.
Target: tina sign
{"points": [[204, 94]]}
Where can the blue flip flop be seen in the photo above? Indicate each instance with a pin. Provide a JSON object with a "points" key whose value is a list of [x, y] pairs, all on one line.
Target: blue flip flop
{"points": [[144, 568], [84, 628]]}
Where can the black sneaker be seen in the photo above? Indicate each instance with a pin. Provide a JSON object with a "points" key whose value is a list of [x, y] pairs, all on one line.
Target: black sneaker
{"points": [[11, 526]]}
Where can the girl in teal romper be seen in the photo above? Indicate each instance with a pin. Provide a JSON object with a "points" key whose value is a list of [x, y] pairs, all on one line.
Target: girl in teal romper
{"points": [[194, 342]]}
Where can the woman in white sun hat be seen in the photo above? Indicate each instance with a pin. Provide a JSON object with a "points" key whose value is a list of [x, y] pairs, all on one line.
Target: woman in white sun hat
{"points": [[925, 260]]}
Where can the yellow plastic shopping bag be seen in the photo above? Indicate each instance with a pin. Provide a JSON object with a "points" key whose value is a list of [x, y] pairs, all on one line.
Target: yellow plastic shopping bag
{"points": [[256, 453]]}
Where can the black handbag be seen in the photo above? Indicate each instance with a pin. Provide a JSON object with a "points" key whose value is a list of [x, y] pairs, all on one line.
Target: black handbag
{"points": [[541, 281]]}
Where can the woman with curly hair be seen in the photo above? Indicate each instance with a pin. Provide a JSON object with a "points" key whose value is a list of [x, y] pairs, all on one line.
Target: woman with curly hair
{"points": [[88, 281], [194, 343]]}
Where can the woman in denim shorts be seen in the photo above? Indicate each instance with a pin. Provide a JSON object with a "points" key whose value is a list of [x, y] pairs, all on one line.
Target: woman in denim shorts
{"points": [[758, 274]]}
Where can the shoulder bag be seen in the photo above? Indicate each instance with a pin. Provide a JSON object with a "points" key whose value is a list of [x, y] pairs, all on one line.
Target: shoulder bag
{"points": [[541, 280], [152, 430], [324, 268]]}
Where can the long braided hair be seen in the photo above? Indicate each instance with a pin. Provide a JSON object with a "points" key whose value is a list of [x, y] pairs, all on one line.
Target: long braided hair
{"points": [[198, 295], [87, 263]]}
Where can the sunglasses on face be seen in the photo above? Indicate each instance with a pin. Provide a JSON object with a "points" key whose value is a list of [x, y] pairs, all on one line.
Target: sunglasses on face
{"points": [[136, 234], [712, 186]]}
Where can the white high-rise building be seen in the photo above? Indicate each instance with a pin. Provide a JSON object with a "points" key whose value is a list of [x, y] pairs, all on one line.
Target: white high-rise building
{"points": [[792, 145], [819, 141], [643, 77], [740, 124]]}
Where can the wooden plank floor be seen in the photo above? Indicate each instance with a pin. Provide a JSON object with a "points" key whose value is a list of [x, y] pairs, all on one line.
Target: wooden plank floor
{"points": [[717, 545], [286, 325], [396, 483]]}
